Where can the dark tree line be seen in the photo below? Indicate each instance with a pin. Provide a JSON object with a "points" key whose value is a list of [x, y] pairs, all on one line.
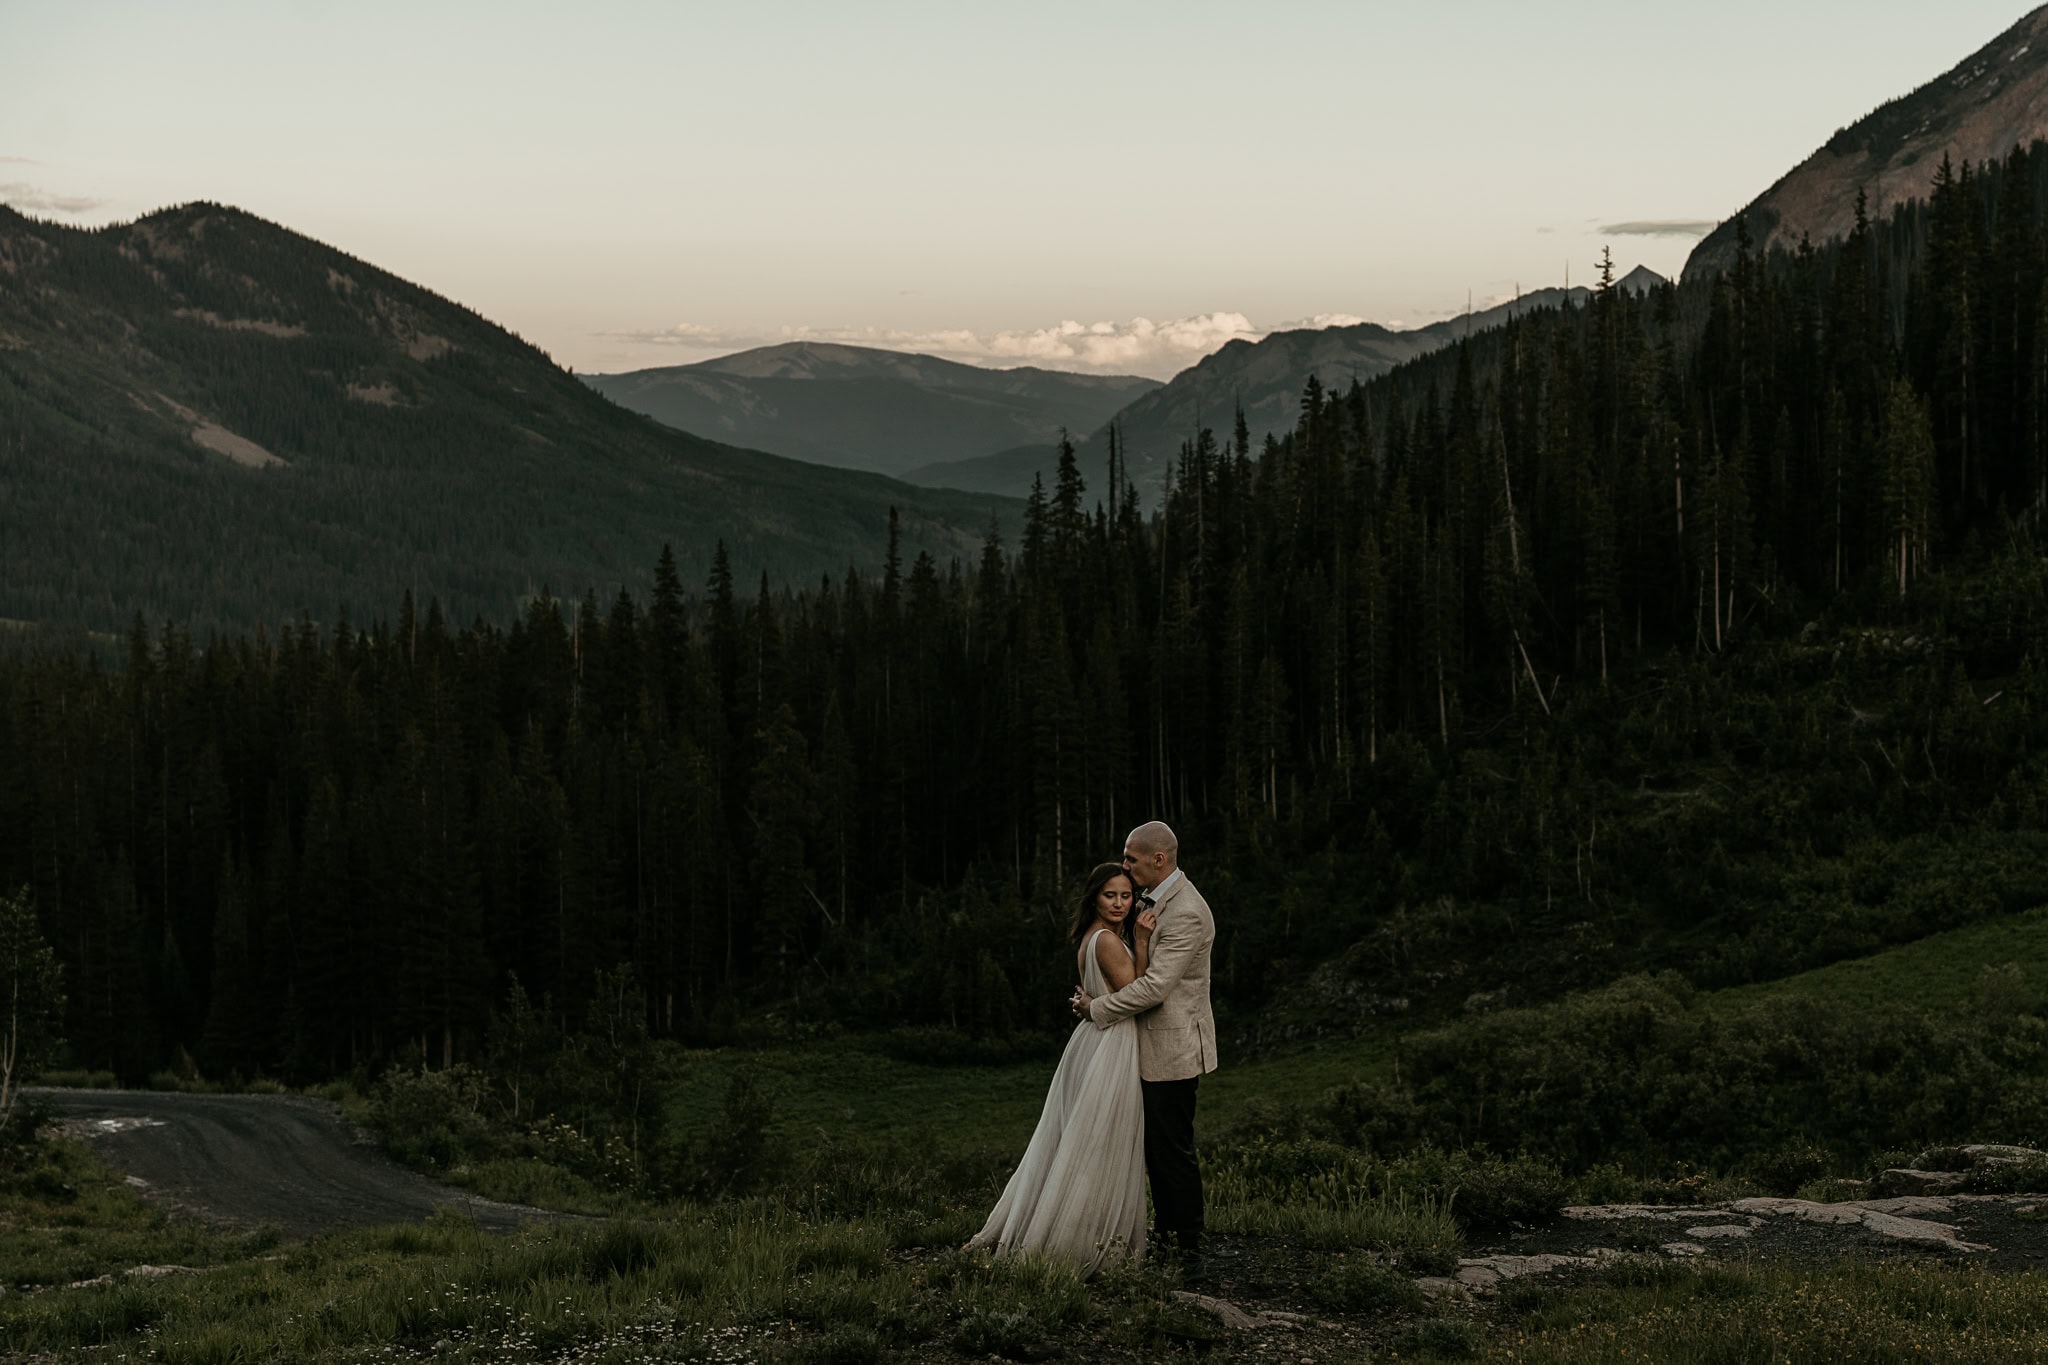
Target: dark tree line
{"points": [[860, 802]]}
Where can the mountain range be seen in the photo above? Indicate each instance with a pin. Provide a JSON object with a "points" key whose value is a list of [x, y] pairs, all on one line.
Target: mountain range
{"points": [[1265, 378], [1990, 102], [861, 408], [208, 418]]}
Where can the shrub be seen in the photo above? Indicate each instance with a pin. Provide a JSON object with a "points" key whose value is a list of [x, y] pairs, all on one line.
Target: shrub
{"points": [[2010, 1177], [1439, 1339], [1485, 1192], [1357, 1284], [1791, 1164], [740, 1152], [433, 1118]]}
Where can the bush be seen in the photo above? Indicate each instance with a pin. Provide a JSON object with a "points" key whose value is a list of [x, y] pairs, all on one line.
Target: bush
{"points": [[433, 1118], [2010, 1177], [1439, 1339], [741, 1152], [1357, 1284], [1791, 1164], [1485, 1192]]}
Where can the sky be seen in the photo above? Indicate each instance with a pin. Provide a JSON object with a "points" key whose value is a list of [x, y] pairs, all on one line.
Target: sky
{"points": [[1116, 186]]}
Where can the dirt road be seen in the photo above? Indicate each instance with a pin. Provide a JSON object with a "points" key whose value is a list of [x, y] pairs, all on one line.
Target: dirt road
{"points": [[256, 1160]]}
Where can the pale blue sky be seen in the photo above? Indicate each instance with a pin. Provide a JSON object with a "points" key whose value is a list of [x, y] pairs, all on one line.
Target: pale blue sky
{"points": [[642, 184]]}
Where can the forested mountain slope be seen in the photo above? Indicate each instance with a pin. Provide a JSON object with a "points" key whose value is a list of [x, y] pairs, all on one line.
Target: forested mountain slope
{"points": [[1703, 630], [861, 408], [1990, 102], [207, 417], [1264, 378]]}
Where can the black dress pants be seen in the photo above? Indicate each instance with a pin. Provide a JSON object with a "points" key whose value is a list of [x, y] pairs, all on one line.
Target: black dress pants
{"points": [[1170, 1163]]}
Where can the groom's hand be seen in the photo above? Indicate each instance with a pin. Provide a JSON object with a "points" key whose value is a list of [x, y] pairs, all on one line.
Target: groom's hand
{"points": [[1080, 1001]]}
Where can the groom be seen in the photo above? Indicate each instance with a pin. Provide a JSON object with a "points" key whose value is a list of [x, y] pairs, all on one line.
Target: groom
{"points": [[1176, 1037]]}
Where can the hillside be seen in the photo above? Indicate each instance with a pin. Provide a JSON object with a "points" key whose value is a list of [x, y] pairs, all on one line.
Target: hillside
{"points": [[1266, 377], [861, 408], [1990, 102], [207, 417]]}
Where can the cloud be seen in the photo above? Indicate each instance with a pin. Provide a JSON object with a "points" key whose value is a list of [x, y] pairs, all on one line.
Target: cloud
{"points": [[34, 199], [1136, 346], [1660, 227], [1322, 320]]}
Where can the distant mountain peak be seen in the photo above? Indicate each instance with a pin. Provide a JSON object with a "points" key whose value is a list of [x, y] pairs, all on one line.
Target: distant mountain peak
{"points": [[862, 407], [1984, 106], [1641, 280]]}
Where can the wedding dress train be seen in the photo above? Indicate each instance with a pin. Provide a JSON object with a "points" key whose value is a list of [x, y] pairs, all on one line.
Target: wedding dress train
{"points": [[1079, 1192]]}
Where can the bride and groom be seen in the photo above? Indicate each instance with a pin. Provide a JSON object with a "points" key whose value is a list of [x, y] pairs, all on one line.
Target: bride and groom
{"points": [[1122, 1104]]}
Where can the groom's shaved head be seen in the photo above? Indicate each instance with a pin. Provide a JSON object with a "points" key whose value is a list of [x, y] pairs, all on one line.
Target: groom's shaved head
{"points": [[1154, 836], [1150, 854]]}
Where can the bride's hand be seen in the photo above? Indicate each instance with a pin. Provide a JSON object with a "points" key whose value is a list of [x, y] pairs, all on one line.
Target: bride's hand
{"points": [[1148, 920]]}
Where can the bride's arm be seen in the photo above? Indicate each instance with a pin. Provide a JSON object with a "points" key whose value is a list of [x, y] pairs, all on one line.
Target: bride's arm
{"points": [[1115, 961]]}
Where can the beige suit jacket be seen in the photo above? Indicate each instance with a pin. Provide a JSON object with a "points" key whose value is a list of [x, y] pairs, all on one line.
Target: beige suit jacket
{"points": [[1176, 1030]]}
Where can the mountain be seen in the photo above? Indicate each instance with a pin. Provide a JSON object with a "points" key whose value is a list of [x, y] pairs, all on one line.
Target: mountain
{"points": [[861, 408], [1266, 379], [206, 417], [1992, 101]]}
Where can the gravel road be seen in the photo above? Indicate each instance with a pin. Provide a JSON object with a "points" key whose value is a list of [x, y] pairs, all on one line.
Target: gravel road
{"points": [[282, 1161]]}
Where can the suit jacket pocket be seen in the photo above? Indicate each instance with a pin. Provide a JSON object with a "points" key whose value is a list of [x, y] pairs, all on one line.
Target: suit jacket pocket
{"points": [[1168, 1025]]}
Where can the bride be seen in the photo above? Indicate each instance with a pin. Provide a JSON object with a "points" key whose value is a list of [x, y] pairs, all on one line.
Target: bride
{"points": [[1079, 1192]]}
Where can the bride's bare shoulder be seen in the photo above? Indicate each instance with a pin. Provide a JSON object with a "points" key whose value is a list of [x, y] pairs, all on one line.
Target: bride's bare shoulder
{"points": [[1109, 948]]}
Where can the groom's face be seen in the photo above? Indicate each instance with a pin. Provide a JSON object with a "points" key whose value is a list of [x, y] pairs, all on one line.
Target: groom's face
{"points": [[1146, 869]]}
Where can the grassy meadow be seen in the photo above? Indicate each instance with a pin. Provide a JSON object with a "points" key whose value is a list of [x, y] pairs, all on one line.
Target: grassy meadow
{"points": [[805, 1201], [871, 1169]]}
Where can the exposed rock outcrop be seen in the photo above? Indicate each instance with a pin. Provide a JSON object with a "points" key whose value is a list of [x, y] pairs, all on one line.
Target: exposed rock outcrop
{"points": [[1988, 103]]}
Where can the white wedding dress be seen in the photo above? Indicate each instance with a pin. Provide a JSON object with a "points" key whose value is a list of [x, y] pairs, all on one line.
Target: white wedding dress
{"points": [[1079, 1192]]}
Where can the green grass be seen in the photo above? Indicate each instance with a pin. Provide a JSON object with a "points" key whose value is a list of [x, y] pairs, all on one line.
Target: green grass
{"points": [[747, 1275], [1941, 971], [64, 1218], [1893, 1311], [845, 1086]]}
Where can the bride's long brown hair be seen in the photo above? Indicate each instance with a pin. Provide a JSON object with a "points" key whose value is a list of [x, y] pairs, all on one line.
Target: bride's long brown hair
{"points": [[1084, 913]]}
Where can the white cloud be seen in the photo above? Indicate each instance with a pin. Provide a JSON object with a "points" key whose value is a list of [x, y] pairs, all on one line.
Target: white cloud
{"points": [[35, 199], [1135, 346]]}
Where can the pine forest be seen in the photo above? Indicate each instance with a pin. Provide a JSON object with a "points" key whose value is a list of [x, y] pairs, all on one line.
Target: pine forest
{"points": [[1588, 645]]}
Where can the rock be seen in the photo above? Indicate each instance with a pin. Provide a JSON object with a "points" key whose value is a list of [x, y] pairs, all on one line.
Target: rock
{"points": [[1895, 1226], [1235, 1318], [1906, 1180], [1909, 1206], [1485, 1274], [1723, 1229], [1684, 1249], [1661, 1212], [158, 1272]]}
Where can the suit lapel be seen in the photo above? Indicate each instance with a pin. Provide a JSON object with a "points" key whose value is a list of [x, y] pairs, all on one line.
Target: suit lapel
{"points": [[1168, 899]]}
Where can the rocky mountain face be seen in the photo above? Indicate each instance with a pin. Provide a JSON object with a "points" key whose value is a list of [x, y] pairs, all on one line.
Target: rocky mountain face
{"points": [[1992, 101], [208, 418], [860, 408]]}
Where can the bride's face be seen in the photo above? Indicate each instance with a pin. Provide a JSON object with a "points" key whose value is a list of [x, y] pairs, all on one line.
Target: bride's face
{"points": [[1113, 901]]}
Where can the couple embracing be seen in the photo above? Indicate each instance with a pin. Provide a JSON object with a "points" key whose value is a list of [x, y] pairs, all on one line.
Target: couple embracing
{"points": [[1122, 1104]]}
